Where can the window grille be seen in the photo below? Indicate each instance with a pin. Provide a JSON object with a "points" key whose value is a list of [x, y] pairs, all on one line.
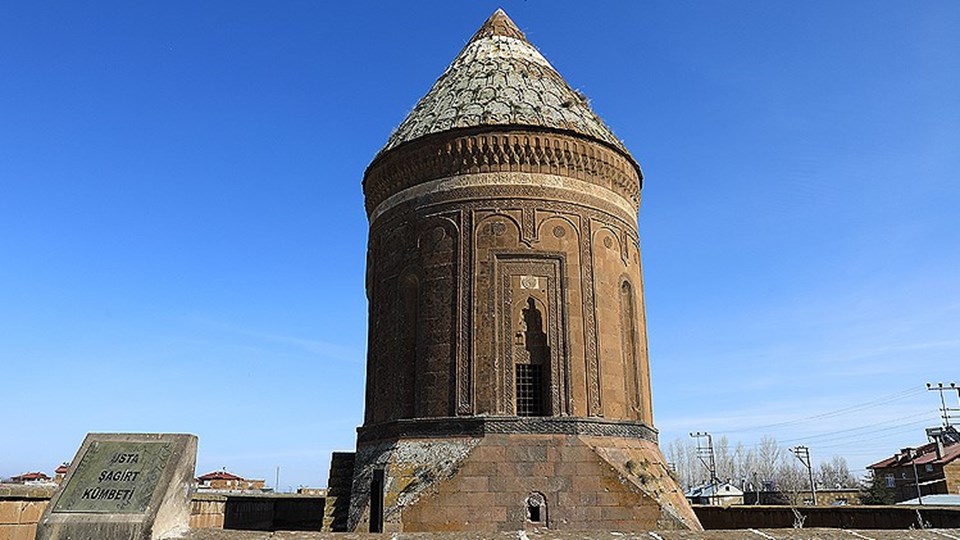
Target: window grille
{"points": [[529, 390]]}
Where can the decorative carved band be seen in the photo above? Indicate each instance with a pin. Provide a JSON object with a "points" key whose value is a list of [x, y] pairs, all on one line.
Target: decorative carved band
{"points": [[518, 185], [469, 152], [427, 428]]}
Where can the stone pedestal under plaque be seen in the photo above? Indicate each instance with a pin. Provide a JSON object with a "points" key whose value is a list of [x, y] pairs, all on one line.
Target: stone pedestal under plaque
{"points": [[129, 486]]}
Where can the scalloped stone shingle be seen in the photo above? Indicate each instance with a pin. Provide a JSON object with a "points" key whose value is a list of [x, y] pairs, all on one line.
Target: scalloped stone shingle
{"points": [[500, 79]]}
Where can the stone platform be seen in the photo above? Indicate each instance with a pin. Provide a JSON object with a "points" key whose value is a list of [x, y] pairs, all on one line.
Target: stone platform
{"points": [[748, 534], [583, 482]]}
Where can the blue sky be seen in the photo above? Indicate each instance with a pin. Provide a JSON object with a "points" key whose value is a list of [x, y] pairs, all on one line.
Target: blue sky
{"points": [[182, 234]]}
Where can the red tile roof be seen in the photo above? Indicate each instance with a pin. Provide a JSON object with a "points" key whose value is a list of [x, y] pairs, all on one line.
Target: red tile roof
{"points": [[219, 475], [29, 477], [923, 455]]}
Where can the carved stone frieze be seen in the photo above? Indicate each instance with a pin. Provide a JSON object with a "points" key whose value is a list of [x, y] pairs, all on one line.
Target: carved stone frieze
{"points": [[465, 363], [462, 152], [492, 198], [592, 356], [478, 426]]}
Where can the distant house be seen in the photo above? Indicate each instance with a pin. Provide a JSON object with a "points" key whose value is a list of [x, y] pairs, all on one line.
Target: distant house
{"points": [[31, 478], [61, 472], [225, 481], [931, 469], [715, 493]]}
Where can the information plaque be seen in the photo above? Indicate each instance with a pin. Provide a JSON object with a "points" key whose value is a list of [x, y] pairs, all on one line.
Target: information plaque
{"points": [[115, 477], [124, 486]]}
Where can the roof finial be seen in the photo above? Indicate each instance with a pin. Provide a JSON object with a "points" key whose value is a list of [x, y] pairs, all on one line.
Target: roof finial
{"points": [[499, 24]]}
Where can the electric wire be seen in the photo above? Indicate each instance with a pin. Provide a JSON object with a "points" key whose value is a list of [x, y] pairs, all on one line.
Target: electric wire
{"points": [[882, 400]]}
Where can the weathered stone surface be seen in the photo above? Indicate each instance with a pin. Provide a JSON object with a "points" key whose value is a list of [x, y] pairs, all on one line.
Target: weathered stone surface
{"points": [[485, 484], [413, 469], [20, 491], [336, 510], [124, 486], [501, 79]]}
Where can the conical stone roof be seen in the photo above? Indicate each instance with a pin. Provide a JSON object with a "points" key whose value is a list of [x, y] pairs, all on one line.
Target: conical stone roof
{"points": [[500, 79]]}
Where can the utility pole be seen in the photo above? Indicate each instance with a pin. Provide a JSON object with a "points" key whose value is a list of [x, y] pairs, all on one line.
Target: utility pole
{"points": [[803, 454], [946, 412], [916, 477], [705, 454]]}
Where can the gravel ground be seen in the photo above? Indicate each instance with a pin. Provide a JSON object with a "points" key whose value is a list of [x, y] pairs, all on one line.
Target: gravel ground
{"points": [[747, 534]]}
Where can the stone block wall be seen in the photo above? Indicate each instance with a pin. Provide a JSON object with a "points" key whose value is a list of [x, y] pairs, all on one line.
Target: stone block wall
{"points": [[951, 473], [293, 513], [20, 509], [337, 503], [249, 513], [466, 268], [839, 517], [272, 512], [491, 484], [207, 511]]}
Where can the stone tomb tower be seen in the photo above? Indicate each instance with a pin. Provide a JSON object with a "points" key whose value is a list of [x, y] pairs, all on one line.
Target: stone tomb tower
{"points": [[507, 377]]}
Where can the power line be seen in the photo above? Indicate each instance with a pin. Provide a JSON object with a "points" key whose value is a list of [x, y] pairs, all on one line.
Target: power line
{"points": [[895, 430], [829, 436], [840, 438], [901, 394], [846, 433]]}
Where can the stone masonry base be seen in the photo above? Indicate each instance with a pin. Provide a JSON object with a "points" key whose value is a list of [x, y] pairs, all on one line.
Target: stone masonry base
{"points": [[491, 483]]}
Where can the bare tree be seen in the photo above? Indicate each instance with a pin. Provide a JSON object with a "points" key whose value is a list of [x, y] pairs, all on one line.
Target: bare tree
{"points": [[769, 458], [745, 467], [721, 451], [766, 465], [835, 474], [792, 482], [682, 453]]}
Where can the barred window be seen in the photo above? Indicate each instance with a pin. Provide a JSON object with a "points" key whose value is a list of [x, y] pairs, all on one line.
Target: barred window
{"points": [[529, 390]]}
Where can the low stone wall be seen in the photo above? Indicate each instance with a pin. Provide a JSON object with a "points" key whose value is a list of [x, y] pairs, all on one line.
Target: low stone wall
{"points": [[22, 506], [273, 512], [207, 511], [838, 517], [20, 509], [298, 513]]}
